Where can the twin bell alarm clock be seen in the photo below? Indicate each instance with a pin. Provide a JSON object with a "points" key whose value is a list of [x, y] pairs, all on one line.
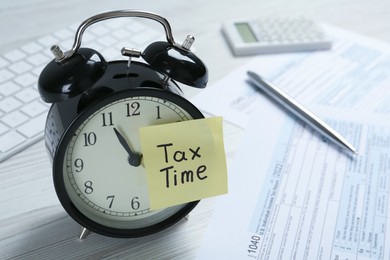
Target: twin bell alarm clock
{"points": [[91, 131]]}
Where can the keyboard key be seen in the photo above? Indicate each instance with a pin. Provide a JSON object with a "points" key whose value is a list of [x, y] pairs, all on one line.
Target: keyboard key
{"points": [[121, 34], [88, 38], [14, 119], [9, 104], [5, 75], [33, 109], [100, 31], [20, 67], [26, 79], [32, 47], [94, 45], [37, 71], [146, 35], [38, 59], [15, 55], [8, 88], [3, 62], [3, 128], [64, 34], [118, 23], [136, 27], [113, 53], [48, 41], [33, 127], [106, 40], [27, 95], [9, 140], [65, 45]]}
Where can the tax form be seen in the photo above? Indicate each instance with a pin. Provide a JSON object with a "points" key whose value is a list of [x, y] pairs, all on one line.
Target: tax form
{"points": [[294, 196], [354, 75], [291, 195]]}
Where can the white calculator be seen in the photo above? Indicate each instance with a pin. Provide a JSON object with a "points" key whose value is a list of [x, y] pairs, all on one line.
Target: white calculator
{"points": [[275, 34]]}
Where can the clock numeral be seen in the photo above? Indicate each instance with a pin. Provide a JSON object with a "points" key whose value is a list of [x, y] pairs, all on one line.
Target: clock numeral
{"points": [[111, 198], [89, 139], [135, 203], [158, 112], [107, 119], [88, 187], [133, 109], [79, 164]]}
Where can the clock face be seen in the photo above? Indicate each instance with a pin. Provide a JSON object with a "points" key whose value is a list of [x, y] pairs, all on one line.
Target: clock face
{"points": [[99, 178]]}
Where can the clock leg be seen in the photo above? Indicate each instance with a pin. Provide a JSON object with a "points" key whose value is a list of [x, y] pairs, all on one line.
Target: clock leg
{"points": [[84, 233]]}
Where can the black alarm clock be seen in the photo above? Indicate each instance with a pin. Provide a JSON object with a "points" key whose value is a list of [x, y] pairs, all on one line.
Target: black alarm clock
{"points": [[91, 131]]}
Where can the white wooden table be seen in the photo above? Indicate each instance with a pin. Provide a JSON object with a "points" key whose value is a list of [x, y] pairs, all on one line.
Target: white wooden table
{"points": [[33, 224]]}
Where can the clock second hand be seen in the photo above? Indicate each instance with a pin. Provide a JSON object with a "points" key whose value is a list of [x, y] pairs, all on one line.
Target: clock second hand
{"points": [[134, 158]]}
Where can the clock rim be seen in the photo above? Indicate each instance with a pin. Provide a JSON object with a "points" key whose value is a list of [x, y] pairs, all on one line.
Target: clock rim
{"points": [[60, 153]]}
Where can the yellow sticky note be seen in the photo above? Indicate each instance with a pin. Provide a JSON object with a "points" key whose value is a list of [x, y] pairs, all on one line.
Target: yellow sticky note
{"points": [[184, 161]]}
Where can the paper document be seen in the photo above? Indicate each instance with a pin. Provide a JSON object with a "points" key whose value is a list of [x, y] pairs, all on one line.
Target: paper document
{"points": [[354, 75], [294, 196]]}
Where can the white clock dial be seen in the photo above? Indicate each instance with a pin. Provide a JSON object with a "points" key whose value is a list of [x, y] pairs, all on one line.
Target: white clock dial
{"points": [[98, 177]]}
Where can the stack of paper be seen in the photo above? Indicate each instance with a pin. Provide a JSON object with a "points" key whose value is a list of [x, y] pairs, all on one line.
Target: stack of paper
{"points": [[292, 195]]}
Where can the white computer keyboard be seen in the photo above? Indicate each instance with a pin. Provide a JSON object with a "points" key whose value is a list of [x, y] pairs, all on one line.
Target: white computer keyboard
{"points": [[22, 112]]}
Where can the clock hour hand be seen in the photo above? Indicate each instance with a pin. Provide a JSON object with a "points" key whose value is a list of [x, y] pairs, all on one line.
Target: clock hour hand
{"points": [[134, 158]]}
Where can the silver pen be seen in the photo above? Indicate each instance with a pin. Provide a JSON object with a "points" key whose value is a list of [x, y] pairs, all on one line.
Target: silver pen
{"points": [[300, 111]]}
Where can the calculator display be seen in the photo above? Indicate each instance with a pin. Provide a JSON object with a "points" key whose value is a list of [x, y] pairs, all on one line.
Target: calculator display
{"points": [[246, 32]]}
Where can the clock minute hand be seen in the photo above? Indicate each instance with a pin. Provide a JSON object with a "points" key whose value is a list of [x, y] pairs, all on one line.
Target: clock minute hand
{"points": [[134, 158]]}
